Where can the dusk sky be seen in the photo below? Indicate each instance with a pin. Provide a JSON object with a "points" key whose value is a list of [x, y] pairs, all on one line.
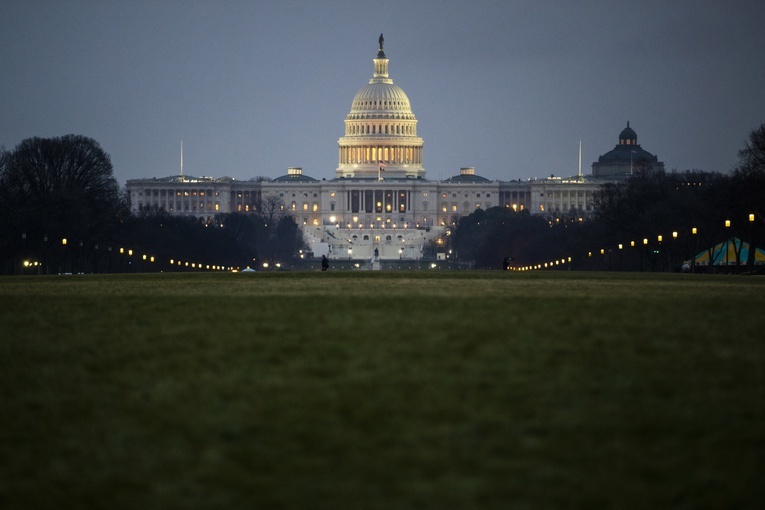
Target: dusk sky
{"points": [[510, 88]]}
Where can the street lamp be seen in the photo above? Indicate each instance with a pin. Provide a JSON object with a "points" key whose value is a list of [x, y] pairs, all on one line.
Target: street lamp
{"points": [[694, 231]]}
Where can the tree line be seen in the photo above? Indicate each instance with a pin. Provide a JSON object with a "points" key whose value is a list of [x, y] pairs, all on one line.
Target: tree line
{"points": [[654, 220], [63, 211]]}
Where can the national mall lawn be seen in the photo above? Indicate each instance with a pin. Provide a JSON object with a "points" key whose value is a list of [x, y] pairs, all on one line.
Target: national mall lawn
{"points": [[382, 390]]}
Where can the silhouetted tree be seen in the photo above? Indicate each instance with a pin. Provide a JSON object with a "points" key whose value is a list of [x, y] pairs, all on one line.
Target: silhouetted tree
{"points": [[747, 194], [59, 187], [485, 237]]}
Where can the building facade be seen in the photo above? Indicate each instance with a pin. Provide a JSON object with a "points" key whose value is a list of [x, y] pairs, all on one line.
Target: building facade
{"points": [[379, 201]]}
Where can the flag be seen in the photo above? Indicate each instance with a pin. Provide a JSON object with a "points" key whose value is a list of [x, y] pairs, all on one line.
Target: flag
{"points": [[382, 165]]}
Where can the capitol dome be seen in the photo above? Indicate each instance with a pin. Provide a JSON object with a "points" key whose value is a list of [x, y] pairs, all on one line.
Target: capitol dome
{"points": [[380, 130]]}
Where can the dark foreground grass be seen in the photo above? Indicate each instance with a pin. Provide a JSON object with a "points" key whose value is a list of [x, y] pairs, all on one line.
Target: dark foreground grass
{"points": [[405, 390]]}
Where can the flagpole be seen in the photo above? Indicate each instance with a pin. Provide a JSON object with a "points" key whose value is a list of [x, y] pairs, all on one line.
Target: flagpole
{"points": [[580, 159], [181, 160]]}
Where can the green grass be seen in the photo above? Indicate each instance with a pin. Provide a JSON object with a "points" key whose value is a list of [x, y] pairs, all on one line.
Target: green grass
{"points": [[382, 390]]}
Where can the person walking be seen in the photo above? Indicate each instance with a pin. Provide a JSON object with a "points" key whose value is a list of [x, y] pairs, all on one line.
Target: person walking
{"points": [[324, 263]]}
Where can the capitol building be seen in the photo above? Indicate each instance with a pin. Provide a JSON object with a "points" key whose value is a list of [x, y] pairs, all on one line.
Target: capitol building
{"points": [[380, 201]]}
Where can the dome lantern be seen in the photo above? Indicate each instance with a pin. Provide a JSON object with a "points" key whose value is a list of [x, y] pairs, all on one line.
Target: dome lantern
{"points": [[628, 136]]}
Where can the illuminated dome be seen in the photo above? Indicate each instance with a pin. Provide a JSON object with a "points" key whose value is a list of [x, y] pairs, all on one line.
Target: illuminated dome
{"points": [[380, 130]]}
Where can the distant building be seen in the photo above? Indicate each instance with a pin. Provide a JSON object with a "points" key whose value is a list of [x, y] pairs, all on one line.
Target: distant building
{"points": [[626, 158], [379, 198]]}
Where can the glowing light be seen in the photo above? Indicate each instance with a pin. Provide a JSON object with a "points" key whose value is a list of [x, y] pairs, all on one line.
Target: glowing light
{"points": [[727, 223], [751, 217]]}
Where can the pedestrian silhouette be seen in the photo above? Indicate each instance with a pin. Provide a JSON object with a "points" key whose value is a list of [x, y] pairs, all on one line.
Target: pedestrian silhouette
{"points": [[324, 263]]}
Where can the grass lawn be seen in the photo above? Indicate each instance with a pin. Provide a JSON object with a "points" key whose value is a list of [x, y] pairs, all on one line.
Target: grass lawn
{"points": [[382, 390]]}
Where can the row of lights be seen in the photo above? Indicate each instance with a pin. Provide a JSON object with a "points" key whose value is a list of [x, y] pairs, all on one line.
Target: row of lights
{"points": [[546, 265], [198, 265], [659, 238]]}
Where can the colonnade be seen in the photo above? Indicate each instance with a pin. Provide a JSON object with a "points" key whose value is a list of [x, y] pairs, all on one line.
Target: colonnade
{"points": [[410, 154]]}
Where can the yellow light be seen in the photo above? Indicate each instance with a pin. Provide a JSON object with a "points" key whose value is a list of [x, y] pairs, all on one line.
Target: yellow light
{"points": [[130, 253], [694, 231], [122, 250], [26, 263], [645, 240], [727, 223], [63, 241], [152, 259], [659, 238], [632, 243], [589, 254], [621, 246], [751, 217], [602, 251], [171, 262], [144, 256], [674, 235]]}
